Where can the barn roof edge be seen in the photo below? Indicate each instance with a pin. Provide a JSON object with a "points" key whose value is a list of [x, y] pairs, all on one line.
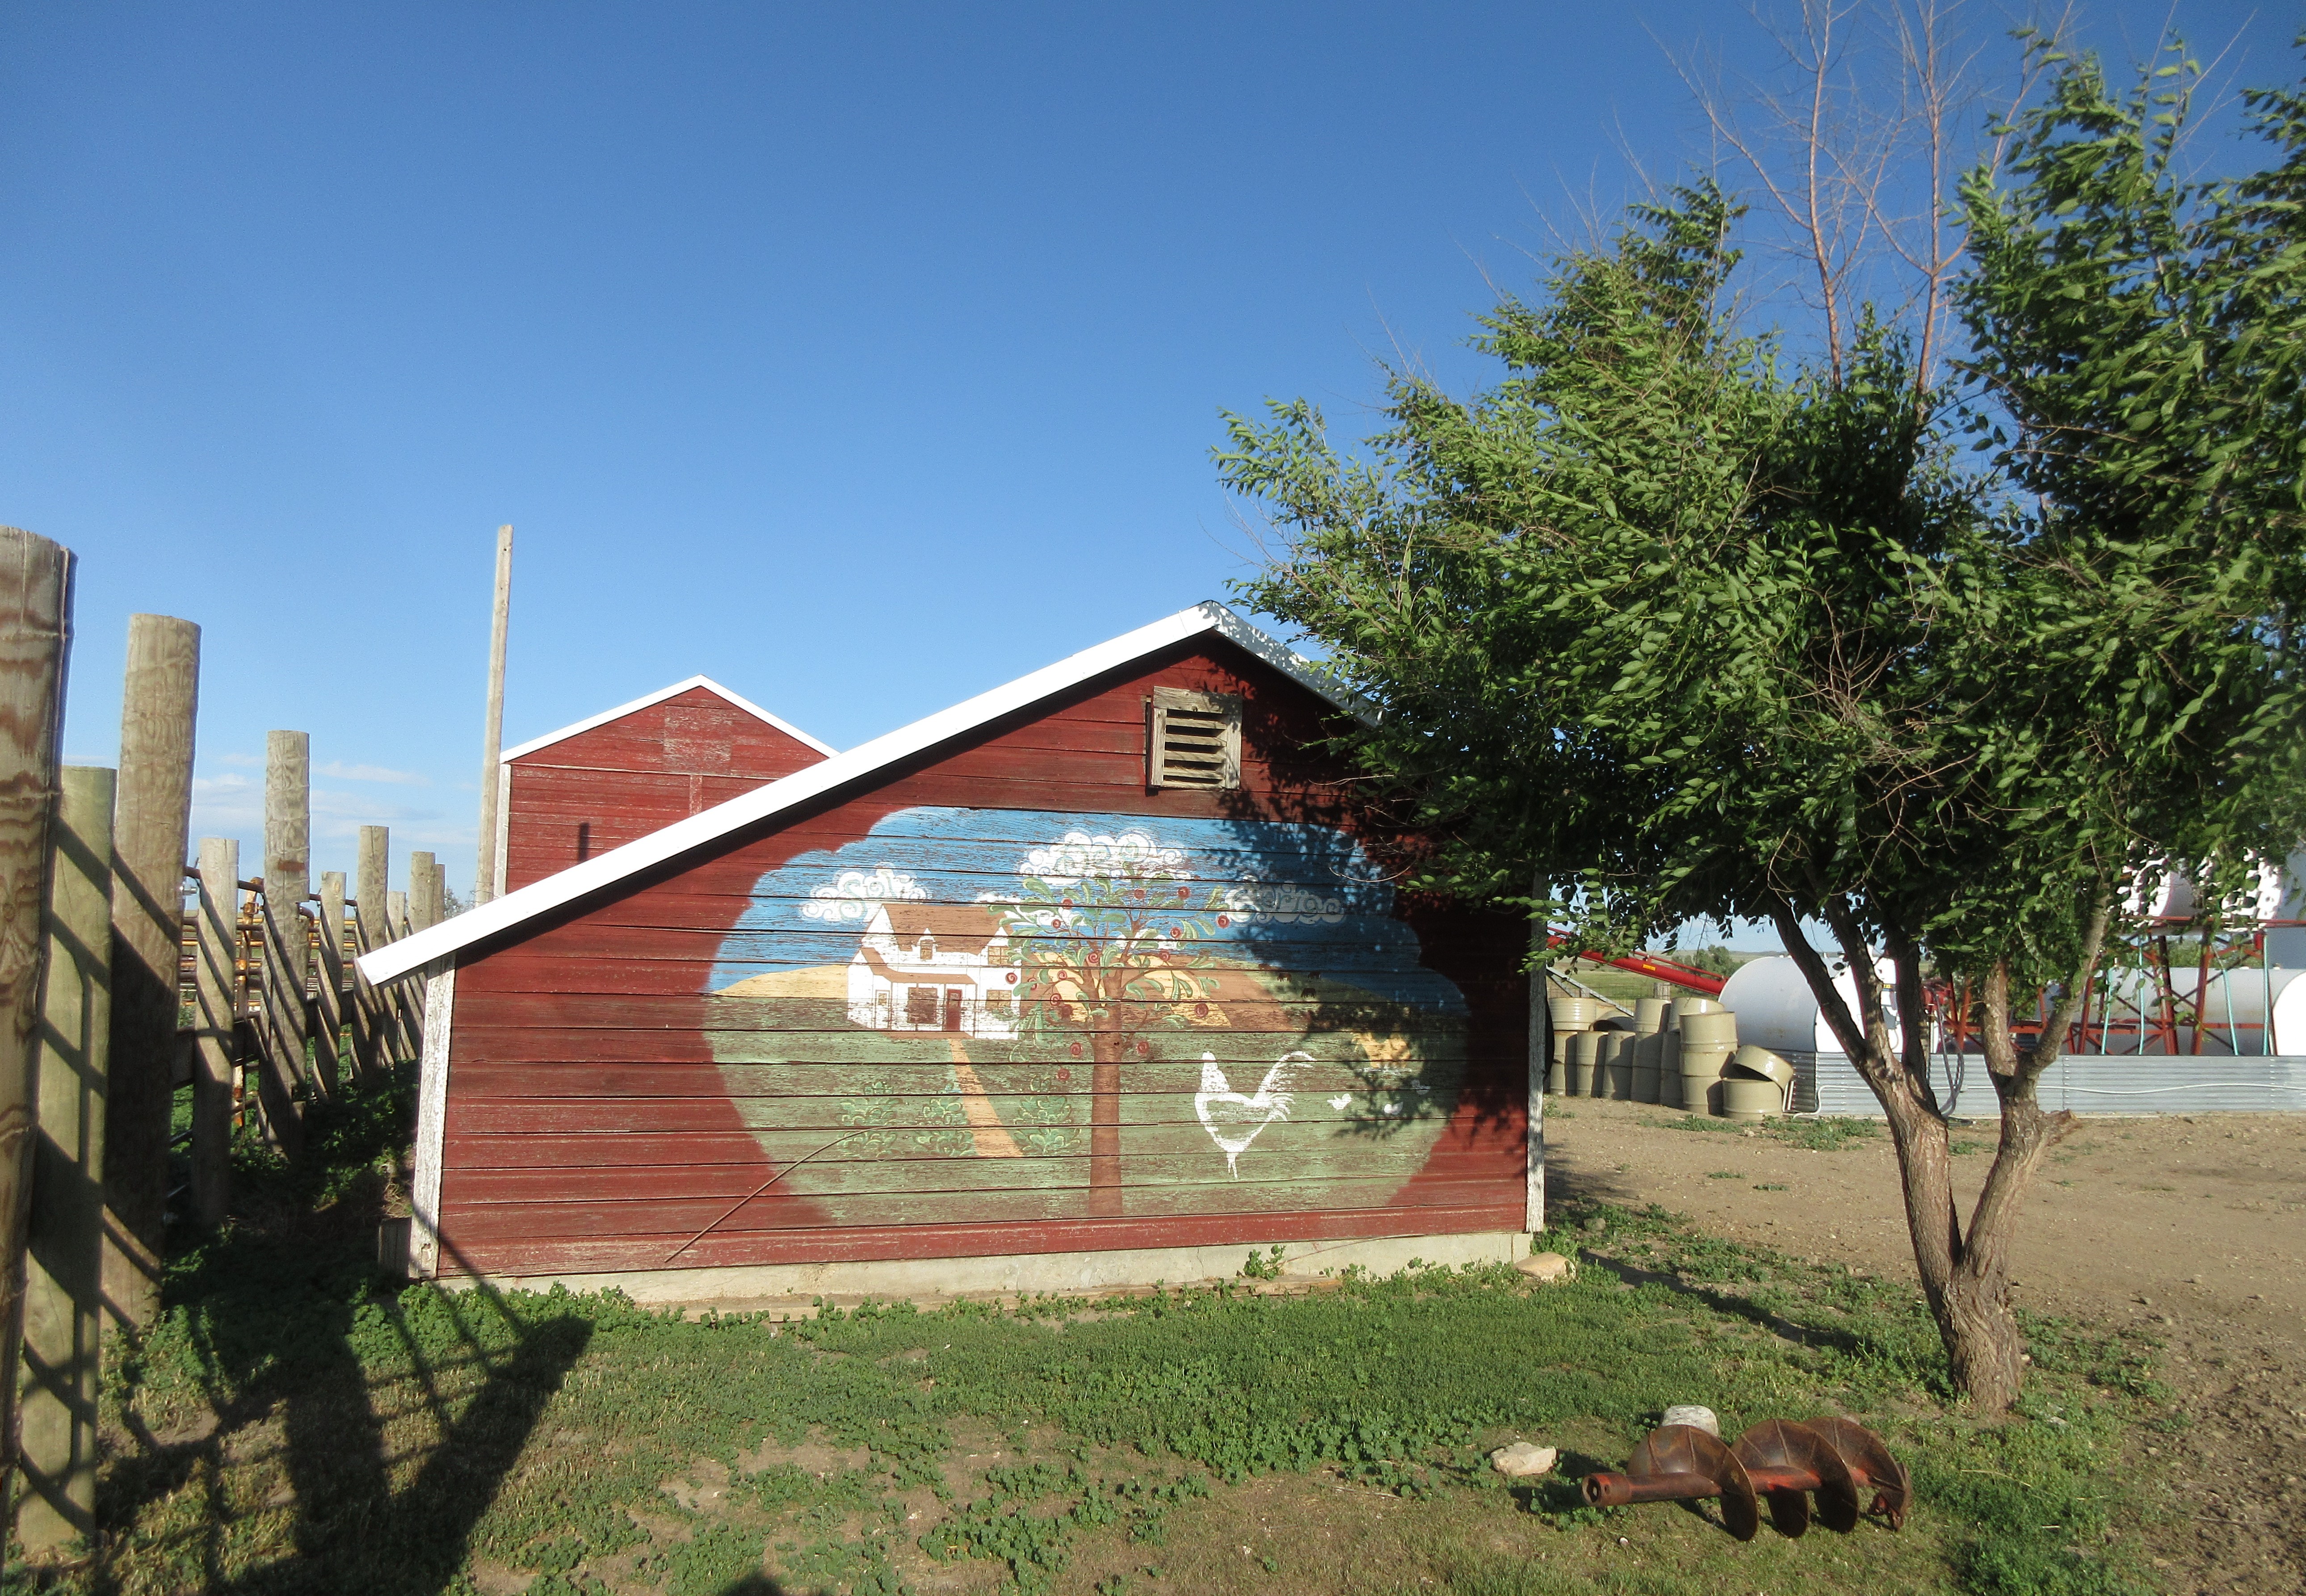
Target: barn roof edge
{"points": [[410, 954], [659, 696]]}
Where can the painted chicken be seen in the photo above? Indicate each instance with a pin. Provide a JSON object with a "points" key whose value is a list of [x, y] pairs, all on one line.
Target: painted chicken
{"points": [[1231, 1120]]}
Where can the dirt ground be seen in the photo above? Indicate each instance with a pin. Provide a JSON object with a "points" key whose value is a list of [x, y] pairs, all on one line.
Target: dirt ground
{"points": [[2190, 1230]]}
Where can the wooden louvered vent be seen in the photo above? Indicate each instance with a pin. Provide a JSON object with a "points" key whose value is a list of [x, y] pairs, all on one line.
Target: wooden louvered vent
{"points": [[1192, 740]]}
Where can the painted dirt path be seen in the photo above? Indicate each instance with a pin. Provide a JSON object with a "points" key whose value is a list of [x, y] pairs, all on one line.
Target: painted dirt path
{"points": [[2189, 1231]]}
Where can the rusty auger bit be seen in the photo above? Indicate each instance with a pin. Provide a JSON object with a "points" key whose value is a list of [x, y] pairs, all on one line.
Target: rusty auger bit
{"points": [[1835, 1460]]}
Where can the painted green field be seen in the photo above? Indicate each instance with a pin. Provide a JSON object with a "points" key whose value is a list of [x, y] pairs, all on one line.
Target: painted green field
{"points": [[291, 1427]]}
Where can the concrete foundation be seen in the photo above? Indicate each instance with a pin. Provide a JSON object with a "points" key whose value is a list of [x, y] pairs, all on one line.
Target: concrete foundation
{"points": [[1024, 1273]]}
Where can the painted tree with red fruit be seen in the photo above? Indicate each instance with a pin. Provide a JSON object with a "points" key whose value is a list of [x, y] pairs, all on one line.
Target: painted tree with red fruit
{"points": [[1110, 945]]}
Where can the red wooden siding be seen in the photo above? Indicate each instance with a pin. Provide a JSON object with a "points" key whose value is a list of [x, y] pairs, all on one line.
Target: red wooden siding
{"points": [[605, 1107], [606, 785]]}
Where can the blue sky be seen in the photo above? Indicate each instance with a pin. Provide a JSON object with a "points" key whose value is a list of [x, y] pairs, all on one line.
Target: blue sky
{"points": [[860, 357]]}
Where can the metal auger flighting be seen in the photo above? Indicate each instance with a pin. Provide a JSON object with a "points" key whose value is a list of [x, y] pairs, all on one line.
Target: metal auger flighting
{"points": [[1838, 1461]]}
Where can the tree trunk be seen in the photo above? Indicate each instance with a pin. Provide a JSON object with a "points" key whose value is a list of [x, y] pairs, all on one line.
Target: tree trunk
{"points": [[1105, 1194], [1965, 1275], [1964, 1279]]}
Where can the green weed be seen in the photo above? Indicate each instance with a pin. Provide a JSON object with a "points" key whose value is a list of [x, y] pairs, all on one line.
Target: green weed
{"points": [[1260, 1267]]}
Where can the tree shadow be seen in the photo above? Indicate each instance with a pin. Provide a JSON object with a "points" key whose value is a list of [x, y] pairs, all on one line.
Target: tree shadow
{"points": [[1571, 1191], [1730, 1303]]}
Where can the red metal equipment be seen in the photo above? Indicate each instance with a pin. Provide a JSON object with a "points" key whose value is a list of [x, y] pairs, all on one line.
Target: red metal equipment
{"points": [[2163, 1016], [1645, 964], [1836, 1460]]}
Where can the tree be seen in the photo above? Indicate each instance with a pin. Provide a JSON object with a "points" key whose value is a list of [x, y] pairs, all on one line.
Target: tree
{"points": [[1700, 634]]}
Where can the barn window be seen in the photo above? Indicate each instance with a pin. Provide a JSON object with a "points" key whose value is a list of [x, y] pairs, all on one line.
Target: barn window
{"points": [[921, 1006], [1192, 740]]}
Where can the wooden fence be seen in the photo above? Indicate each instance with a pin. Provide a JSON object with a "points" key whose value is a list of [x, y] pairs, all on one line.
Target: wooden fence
{"points": [[234, 1039], [117, 993]]}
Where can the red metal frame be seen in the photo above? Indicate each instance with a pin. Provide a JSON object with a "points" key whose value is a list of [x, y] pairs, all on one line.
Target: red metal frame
{"points": [[1645, 964], [2177, 1017]]}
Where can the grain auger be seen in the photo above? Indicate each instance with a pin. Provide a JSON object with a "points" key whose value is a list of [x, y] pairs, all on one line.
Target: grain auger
{"points": [[1843, 1463]]}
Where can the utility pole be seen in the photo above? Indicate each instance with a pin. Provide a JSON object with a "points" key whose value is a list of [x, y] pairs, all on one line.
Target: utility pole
{"points": [[484, 879]]}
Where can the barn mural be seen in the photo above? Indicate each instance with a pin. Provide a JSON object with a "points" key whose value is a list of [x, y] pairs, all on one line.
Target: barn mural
{"points": [[1012, 1015]]}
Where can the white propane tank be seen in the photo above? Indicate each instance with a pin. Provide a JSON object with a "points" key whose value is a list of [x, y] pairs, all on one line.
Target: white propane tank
{"points": [[1776, 1010], [2235, 1008], [2233, 1014]]}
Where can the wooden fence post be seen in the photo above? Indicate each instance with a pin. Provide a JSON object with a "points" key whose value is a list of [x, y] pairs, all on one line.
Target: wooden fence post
{"points": [[66, 1252], [159, 703], [424, 913], [218, 1027], [424, 903], [330, 1009], [287, 832], [408, 996], [35, 641], [375, 1050]]}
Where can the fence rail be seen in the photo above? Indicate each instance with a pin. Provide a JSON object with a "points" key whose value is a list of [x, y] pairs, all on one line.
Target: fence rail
{"points": [[349, 1029]]}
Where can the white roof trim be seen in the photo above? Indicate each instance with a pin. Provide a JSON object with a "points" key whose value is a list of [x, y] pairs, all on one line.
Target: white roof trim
{"points": [[659, 696], [578, 881]]}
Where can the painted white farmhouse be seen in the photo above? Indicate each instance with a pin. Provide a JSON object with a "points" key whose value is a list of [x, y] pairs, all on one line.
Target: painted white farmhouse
{"points": [[935, 966]]}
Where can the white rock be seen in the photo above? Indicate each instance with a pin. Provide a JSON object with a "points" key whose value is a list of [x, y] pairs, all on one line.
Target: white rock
{"points": [[1521, 1461], [1547, 1267], [1696, 1417]]}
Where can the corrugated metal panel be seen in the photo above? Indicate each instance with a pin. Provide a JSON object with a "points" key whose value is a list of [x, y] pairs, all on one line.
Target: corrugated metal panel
{"points": [[2179, 1085], [1826, 1084]]}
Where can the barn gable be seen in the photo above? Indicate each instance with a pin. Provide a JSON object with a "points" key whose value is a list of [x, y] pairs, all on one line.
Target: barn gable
{"points": [[591, 787], [996, 996]]}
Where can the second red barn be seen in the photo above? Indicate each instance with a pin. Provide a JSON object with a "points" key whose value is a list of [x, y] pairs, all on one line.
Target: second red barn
{"points": [[629, 770]]}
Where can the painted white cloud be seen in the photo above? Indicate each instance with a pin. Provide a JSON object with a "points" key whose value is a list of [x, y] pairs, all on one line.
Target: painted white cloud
{"points": [[1289, 906], [1132, 855], [857, 893]]}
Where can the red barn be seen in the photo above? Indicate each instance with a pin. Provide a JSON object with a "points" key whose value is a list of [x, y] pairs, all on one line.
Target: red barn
{"points": [[1099, 977], [628, 771]]}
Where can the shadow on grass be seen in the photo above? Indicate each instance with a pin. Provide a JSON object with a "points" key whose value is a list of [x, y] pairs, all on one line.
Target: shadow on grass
{"points": [[1575, 1194], [279, 1316], [1829, 1339]]}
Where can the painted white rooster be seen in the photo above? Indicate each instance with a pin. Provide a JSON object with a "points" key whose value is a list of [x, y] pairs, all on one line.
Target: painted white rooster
{"points": [[1234, 1121]]}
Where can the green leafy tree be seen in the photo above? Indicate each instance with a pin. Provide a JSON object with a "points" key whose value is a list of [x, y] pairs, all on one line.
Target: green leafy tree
{"points": [[1693, 633]]}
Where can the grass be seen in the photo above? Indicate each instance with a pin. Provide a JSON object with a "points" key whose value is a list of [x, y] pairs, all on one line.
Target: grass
{"points": [[289, 1426]]}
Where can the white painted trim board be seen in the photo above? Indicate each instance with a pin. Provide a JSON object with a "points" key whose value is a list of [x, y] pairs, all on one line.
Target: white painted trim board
{"points": [[431, 1120]]}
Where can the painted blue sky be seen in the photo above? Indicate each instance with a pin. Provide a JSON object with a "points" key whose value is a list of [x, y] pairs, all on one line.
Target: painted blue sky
{"points": [[862, 357], [1299, 897]]}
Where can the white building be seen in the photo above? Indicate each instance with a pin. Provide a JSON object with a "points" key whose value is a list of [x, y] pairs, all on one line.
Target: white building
{"points": [[935, 966]]}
